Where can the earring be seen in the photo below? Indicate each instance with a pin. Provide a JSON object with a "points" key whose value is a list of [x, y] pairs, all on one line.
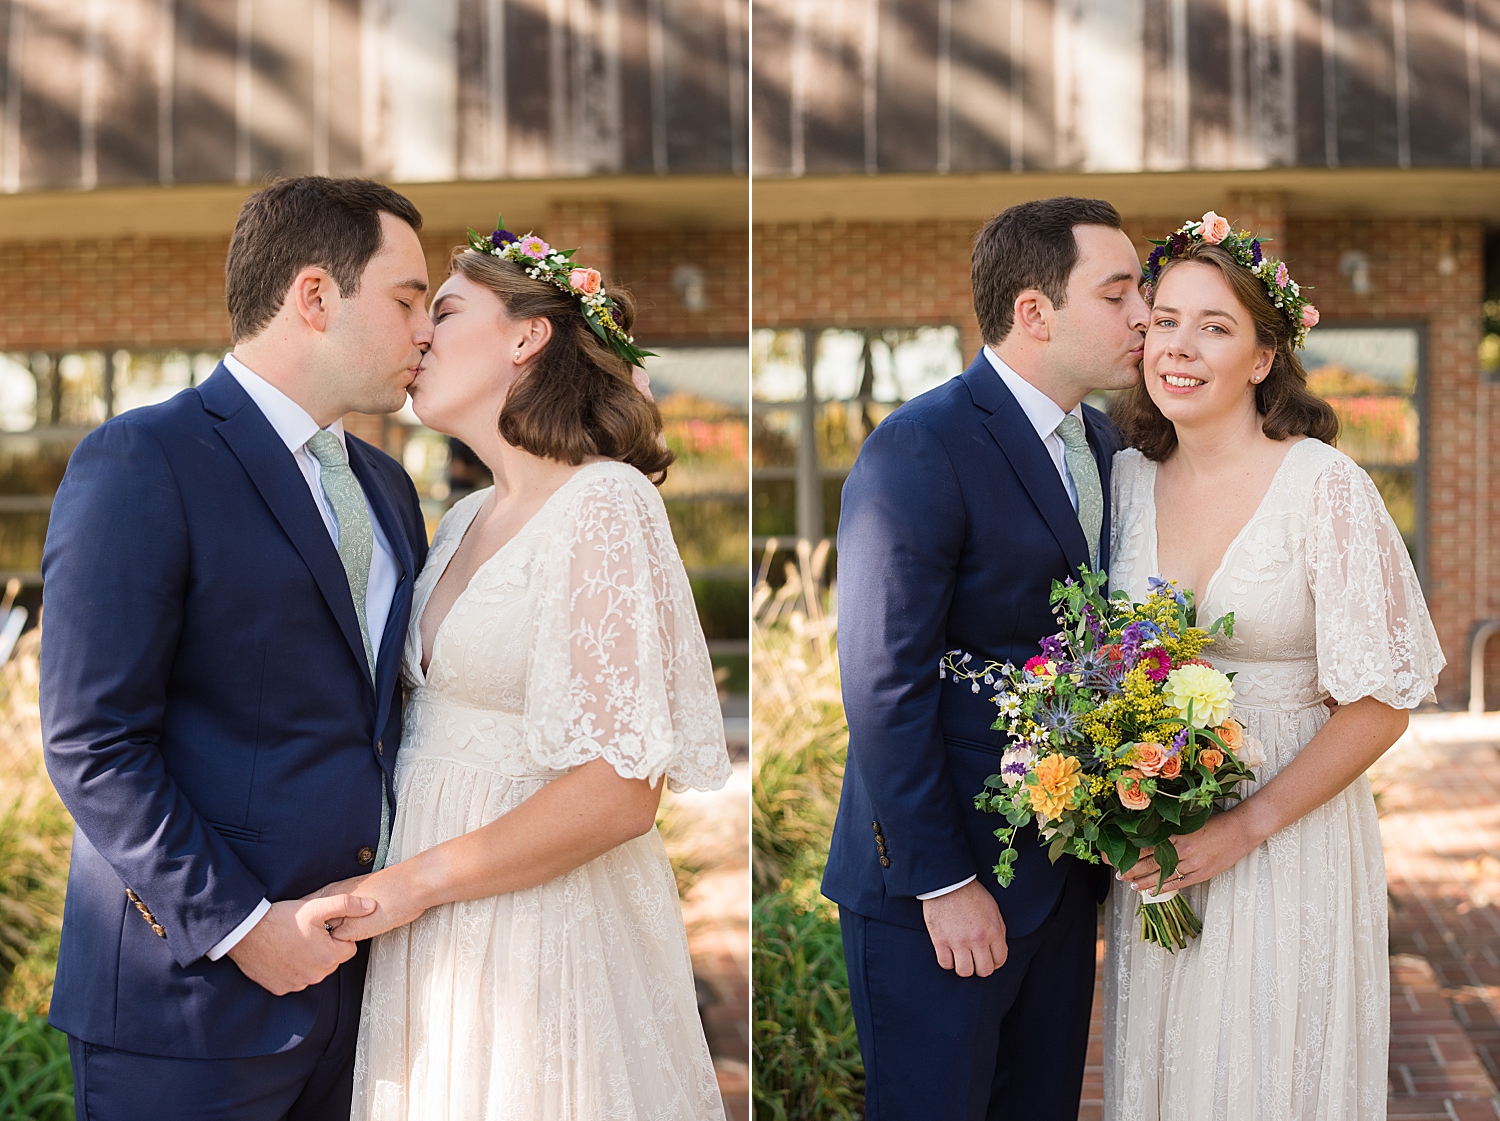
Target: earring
{"points": [[517, 357]]}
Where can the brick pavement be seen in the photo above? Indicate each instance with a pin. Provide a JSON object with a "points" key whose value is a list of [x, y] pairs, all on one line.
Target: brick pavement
{"points": [[1439, 797]]}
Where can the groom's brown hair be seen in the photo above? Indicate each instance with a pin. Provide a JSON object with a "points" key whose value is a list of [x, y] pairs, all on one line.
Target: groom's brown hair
{"points": [[292, 223], [1029, 245]]}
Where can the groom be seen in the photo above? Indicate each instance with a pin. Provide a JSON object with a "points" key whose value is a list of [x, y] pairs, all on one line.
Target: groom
{"points": [[228, 581], [972, 1001]]}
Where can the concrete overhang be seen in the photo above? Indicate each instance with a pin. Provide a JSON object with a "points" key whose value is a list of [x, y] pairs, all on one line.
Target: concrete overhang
{"points": [[209, 210], [1305, 192]]}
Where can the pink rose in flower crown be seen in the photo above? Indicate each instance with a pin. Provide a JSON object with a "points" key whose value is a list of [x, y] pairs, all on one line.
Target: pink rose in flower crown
{"points": [[1150, 758], [1310, 316], [1128, 787], [1215, 228], [586, 282]]}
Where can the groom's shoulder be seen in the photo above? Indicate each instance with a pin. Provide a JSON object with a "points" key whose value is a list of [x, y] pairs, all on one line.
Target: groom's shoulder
{"points": [[165, 423]]}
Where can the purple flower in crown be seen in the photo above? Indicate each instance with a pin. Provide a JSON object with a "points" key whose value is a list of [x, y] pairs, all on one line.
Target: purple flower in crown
{"points": [[501, 238], [1256, 256], [1156, 259], [1282, 276]]}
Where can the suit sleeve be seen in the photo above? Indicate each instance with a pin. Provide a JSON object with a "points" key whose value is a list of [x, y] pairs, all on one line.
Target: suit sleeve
{"points": [[116, 574], [901, 534]]}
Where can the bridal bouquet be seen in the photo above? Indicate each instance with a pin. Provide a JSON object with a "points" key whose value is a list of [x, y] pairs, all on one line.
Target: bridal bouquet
{"points": [[1121, 737]]}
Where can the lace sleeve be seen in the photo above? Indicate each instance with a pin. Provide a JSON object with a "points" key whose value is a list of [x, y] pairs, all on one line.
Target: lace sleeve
{"points": [[620, 670], [1375, 637]]}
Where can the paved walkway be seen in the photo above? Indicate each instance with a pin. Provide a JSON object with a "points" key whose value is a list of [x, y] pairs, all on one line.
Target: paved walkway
{"points": [[1439, 797]]}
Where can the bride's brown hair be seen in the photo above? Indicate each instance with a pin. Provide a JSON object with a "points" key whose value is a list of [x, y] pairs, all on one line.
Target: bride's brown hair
{"points": [[577, 398], [1282, 398]]}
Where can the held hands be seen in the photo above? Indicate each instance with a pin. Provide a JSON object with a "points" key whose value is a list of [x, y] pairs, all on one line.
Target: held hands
{"points": [[967, 930], [1200, 856], [291, 948], [396, 904]]}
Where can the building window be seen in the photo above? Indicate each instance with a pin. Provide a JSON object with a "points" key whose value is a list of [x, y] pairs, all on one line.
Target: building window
{"points": [[837, 385], [1372, 377]]}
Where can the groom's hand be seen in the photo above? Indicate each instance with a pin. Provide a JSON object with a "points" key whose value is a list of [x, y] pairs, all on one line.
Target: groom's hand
{"points": [[290, 948], [967, 930]]}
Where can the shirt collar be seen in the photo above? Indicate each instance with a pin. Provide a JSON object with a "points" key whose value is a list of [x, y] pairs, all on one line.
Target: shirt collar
{"points": [[1044, 413], [290, 420]]}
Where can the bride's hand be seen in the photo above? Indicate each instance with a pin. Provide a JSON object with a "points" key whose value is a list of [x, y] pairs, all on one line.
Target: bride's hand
{"points": [[396, 904], [1201, 856], [340, 887]]}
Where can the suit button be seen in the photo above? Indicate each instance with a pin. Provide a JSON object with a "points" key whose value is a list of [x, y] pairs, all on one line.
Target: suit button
{"points": [[885, 862], [365, 855], [876, 824], [132, 896], [380, 747], [157, 930]]}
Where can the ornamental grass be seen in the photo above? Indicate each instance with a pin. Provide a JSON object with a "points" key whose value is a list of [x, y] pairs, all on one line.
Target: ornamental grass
{"points": [[807, 1063]]}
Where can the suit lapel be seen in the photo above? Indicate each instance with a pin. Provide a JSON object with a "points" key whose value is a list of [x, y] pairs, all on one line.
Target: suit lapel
{"points": [[1013, 431], [273, 471]]}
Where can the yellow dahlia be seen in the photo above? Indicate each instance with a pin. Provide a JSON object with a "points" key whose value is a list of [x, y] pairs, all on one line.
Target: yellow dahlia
{"points": [[1057, 776], [1207, 690]]}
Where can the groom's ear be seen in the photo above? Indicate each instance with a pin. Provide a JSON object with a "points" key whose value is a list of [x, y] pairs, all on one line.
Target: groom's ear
{"points": [[1033, 314], [312, 296]]}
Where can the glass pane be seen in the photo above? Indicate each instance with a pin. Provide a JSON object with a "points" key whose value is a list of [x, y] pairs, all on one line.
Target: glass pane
{"points": [[777, 432], [1389, 355], [17, 393], [840, 367], [1376, 430], [31, 464], [776, 369], [712, 373], [774, 508], [702, 397], [150, 377], [922, 359], [833, 501], [842, 428], [711, 533], [22, 535], [82, 377]]}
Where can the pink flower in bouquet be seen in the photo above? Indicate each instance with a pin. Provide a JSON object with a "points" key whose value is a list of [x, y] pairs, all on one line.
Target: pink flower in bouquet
{"points": [[1041, 667], [1150, 758], [1211, 757], [1215, 228], [1172, 767], [1128, 787], [585, 281], [1156, 664], [1232, 732], [1310, 316]]}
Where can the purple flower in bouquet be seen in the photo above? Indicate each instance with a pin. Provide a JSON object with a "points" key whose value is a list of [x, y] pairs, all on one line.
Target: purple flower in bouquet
{"points": [[1053, 648], [1058, 716]]}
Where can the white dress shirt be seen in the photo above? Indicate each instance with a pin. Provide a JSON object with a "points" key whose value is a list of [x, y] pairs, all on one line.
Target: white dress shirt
{"points": [[1045, 415], [296, 427]]}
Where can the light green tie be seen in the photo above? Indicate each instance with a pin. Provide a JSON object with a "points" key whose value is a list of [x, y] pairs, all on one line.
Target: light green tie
{"points": [[356, 544], [1085, 473]]}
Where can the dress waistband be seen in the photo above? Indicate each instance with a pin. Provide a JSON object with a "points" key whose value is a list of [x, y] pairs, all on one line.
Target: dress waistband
{"points": [[439, 727]]}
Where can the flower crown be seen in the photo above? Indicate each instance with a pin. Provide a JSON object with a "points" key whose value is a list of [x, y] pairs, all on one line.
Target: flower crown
{"points": [[556, 267], [1270, 271]]}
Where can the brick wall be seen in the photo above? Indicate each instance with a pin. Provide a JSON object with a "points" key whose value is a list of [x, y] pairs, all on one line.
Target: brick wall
{"points": [[1428, 272]]}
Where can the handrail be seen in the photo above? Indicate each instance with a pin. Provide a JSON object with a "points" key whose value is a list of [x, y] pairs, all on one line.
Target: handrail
{"points": [[1484, 630]]}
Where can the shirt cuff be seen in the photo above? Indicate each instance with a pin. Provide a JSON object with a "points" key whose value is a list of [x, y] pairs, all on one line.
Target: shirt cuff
{"points": [[945, 890], [232, 939]]}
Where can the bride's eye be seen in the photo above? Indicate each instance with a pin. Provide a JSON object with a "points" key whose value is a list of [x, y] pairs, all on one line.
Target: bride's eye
{"points": [[1165, 323]]}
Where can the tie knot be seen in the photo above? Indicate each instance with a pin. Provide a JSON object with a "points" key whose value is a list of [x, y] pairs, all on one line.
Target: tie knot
{"points": [[325, 445], [1070, 428]]}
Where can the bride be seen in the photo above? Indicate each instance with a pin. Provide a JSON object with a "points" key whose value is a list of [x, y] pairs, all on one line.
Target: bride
{"points": [[1232, 487], [531, 960]]}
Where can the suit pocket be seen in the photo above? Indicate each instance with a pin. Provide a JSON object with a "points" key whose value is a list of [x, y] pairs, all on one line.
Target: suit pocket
{"points": [[234, 832], [995, 749]]}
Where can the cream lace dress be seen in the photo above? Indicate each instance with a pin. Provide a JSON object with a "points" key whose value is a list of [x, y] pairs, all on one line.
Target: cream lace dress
{"points": [[572, 1001], [1280, 1011]]}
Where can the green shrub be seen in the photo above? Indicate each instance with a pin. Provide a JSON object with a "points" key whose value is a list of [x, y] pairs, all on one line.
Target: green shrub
{"points": [[36, 1079], [807, 1063]]}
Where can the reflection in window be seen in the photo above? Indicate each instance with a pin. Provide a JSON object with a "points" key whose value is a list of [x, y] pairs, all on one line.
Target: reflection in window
{"points": [[837, 385], [1370, 377]]}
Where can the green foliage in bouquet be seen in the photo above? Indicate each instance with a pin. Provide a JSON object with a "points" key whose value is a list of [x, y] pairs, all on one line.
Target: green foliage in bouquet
{"points": [[1121, 735]]}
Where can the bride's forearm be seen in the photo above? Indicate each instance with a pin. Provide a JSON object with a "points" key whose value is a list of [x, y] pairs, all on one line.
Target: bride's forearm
{"points": [[564, 825], [1353, 739]]}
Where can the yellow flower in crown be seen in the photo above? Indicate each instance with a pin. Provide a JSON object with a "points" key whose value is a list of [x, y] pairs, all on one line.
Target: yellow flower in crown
{"points": [[1207, 691], [1057, 776]]}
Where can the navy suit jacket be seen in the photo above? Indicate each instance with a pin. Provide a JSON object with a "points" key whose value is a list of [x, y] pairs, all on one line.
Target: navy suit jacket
{"points": [[954, 525], [207, 712]]}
